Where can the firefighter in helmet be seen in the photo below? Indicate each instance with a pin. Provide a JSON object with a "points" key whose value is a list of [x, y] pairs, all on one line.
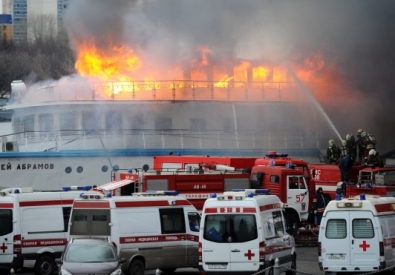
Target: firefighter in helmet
{"points": [[343, 149], [333, 152], [374, 159], [361, 143], [351, 144], [319, 204]]}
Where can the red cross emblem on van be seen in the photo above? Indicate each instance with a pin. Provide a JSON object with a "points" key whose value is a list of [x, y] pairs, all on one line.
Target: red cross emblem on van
{"points": [[3, 247], [249, 255], [364, 245]]}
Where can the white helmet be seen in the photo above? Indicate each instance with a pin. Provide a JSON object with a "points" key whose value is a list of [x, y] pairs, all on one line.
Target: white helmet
{"points": [[344, 142], [372, 152], [363, 134], [331, 142]]}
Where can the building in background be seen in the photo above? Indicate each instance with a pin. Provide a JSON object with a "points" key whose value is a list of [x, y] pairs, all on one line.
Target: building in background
{"points": [[32, 18], [5, 28], [6, 6]]}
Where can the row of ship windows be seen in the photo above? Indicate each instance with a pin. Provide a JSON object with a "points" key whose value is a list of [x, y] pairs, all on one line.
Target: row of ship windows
{"points": [[80, 169]]}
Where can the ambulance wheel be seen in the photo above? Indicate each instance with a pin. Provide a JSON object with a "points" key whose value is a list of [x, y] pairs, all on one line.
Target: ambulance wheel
{"points": [[44, 265], [136, 267], [293, 266], [168, 270]]}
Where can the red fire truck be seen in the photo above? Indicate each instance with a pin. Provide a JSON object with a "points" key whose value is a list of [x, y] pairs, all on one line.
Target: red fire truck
{"points": [[294, 180]]}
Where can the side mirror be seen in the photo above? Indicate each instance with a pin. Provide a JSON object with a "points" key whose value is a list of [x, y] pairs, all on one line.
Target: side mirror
{"points": [[122, 260], [58, 261]]}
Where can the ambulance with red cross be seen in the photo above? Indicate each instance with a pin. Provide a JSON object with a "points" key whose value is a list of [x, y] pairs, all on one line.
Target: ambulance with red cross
{"points": [[151, 230], [33, 227], [358, 235], [243, 232]]}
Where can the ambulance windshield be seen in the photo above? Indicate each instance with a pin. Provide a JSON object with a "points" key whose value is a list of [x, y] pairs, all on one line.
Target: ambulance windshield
{"points": [[5, 221], [230, 228]]}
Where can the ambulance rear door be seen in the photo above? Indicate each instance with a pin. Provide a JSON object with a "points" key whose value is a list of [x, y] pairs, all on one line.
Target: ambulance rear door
{"points": [[215, 245], [6, 230], [244, 247], [350, 239], [364, 234]]}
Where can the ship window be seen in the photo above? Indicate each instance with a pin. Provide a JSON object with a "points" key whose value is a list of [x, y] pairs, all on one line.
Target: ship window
{"points": [[113, 121], [137, 122], [229, 126], [104, 168], [67, 121], [68, 170], [28, 125], [90, 121], [198, 124], [45, 122], [115, 168], [164, 123], [80, 169]]}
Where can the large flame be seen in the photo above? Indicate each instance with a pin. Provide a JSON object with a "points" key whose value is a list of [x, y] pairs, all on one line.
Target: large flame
{"points": [[120, 65]]}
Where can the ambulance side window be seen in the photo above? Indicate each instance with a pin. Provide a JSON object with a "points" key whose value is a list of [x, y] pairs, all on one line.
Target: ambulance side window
{"points": [[336, 229], [362, 228], [383, 226], [273, 224], [391, 227], [172, 220], [5, 221], [66, 217]]}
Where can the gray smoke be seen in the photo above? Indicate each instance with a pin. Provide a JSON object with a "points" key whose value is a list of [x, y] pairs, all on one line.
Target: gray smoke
{"points": [[356, 38]]}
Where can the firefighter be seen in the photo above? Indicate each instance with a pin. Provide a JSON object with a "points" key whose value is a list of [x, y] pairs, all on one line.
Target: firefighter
{"points": [[344, 165], [333, 152], [351, 144], [362, 142], [344, 149], [374, 159], [319, 204], [367, 151]]}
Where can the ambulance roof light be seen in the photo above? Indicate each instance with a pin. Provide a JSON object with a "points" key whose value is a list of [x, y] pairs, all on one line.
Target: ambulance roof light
{"points": [[172, 192], [17, 191], [213, 195], [108, 195], [338, 197], [250, 195], [75, 187], [262, 191], [362, 197]]}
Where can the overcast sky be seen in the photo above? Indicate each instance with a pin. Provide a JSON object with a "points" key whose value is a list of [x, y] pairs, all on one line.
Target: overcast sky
{"points": [[355, 36]]}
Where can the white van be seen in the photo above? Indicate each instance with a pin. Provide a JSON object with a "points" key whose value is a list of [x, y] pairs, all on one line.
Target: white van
{"points": [[151, 230], [244, 232], [33, 227], [356, 235]]}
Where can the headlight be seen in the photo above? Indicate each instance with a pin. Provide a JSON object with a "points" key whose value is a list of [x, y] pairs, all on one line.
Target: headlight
{"points": [[117, 271], [64, 272]]}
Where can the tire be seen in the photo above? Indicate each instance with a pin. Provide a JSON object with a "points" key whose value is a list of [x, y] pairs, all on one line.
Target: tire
{"points": [[168, 270], [136, 267], [293, 267], [45, 265]]}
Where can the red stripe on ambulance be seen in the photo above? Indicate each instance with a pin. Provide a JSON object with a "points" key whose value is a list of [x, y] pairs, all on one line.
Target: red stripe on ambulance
{"points": [[230, 210], [120, 204], [6, 205], [269, 206], [44, 203], [158, 238], [44, 242], [386, 207]]}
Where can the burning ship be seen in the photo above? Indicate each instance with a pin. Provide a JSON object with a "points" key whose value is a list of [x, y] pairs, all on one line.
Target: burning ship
{"points": [[82, 128]]}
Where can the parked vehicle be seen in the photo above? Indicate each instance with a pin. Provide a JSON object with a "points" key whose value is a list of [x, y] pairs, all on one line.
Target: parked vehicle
{"points": [[33, 227], [89, 256], [244, 232], [356, 235], [151, 230]]}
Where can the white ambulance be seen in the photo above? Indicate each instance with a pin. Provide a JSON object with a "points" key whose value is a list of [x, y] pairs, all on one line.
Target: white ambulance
{"points": [[151, 230], [244, 232], [356, 235], [33, 227]]}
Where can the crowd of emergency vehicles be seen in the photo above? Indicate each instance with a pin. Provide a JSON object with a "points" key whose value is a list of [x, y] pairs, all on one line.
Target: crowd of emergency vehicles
{"points": [[239, 219]]}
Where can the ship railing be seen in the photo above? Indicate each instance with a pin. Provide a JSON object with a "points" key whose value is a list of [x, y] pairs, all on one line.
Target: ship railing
{"points": [[188, 90], [31, 141]]}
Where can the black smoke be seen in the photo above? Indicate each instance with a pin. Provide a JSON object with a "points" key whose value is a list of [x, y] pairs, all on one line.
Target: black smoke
{"points": [[355, 36]]}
